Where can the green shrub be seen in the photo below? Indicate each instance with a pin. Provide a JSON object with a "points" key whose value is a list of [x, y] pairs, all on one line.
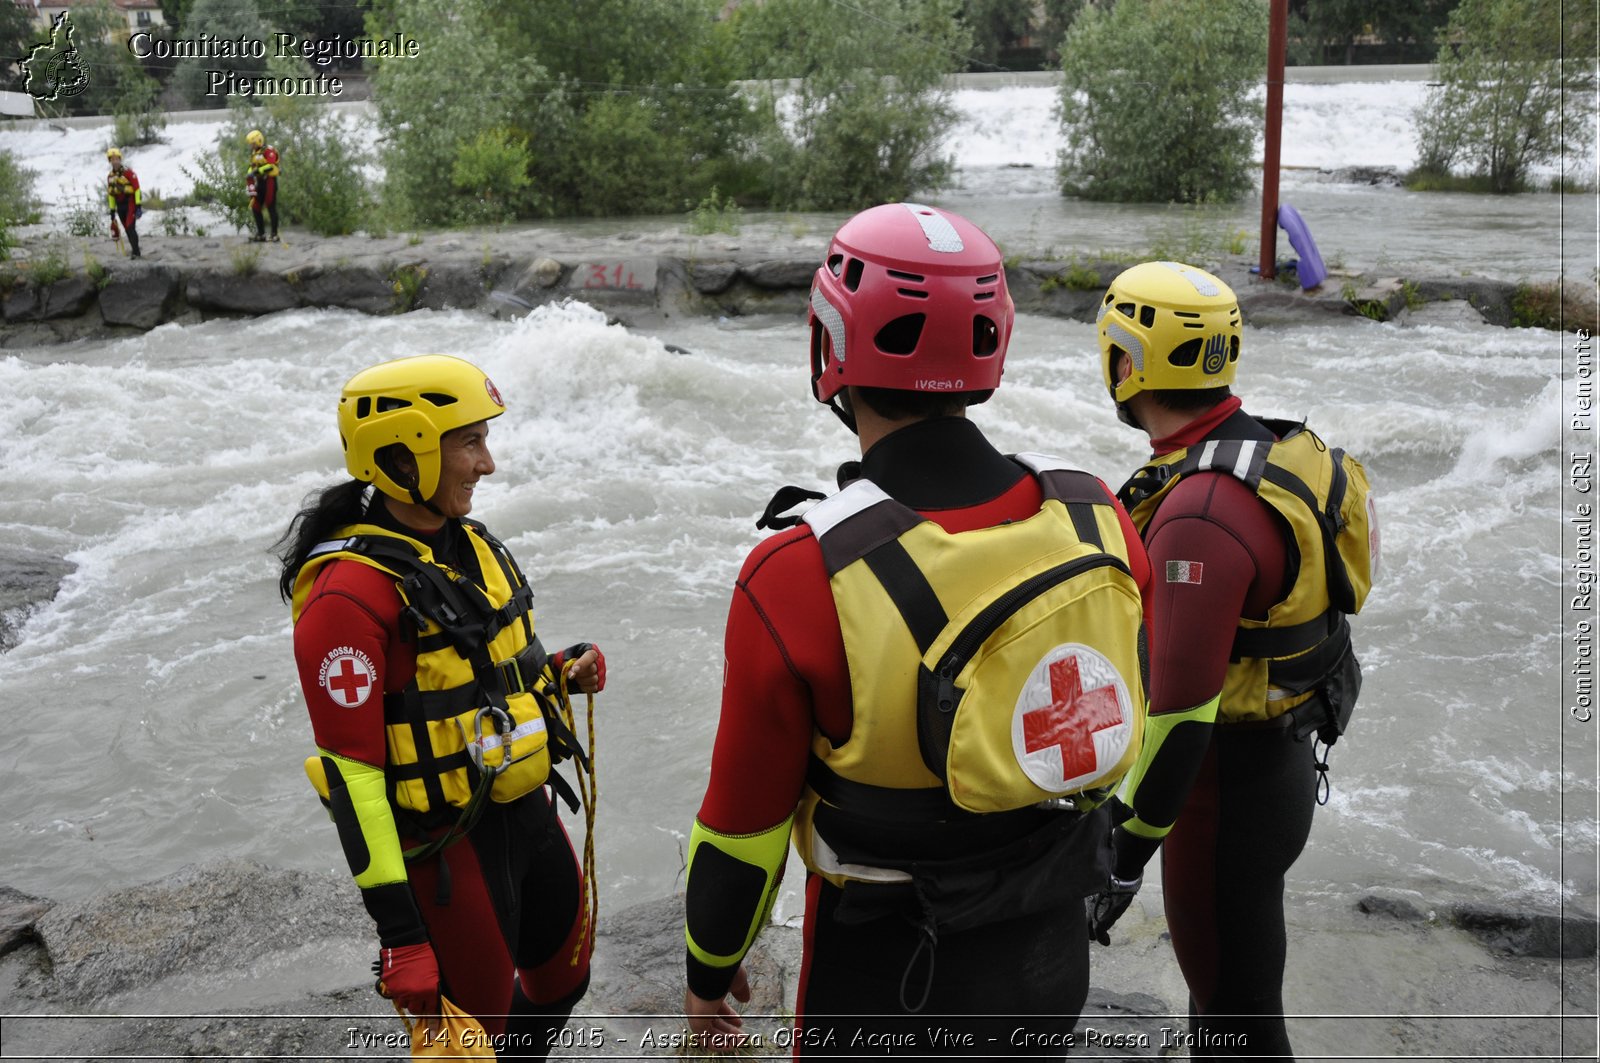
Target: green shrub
{"points": [[1156, 100], [50, 267], [1516, 90], [1554, 305], [17, 203], [492, 167], [715, 215]]}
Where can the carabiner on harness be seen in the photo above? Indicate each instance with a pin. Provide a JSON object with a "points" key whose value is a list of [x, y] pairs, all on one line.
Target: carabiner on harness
{"points": [[476, 747]]}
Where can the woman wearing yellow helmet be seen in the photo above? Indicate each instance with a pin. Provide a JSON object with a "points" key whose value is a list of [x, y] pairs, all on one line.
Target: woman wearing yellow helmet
{"points": [[261, 182], [437, 713], [124, 198]]}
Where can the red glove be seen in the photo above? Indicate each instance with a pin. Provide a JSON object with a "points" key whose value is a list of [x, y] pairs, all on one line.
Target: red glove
{"points": [[564, 658], [409, 976]]}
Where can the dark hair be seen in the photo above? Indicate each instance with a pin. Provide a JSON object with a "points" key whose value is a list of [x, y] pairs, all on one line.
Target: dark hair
{"points": [[1190, 400], [898, 405], [322, 511]]}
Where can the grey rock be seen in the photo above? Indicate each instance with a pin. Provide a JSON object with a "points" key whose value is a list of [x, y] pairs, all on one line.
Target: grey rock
{"points": [[1393, 907], [1570, 935], [452, 287], [67, 297], [543, 273], [258, 293], [1490, 298], [779, 274], [141, 298], [349, 287], [27, 578], [18, 913], [712, 278], [199, 920]]}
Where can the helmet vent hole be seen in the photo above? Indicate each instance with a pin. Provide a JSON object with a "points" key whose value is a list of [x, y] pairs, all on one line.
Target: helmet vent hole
{"points": [[900, 336], [852, 274], [983, 297], [363, 407], [1126, 310], [985, 337], [1233, 349], [990, 279], [439, 398], [389, 402], [914, 278], [912, 293], [835, 264], [1186, 354], [1185, 313], [1147, 316]]}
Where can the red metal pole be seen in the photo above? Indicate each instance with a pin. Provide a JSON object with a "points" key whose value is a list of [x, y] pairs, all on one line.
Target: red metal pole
{"points": [[1277, 45]]}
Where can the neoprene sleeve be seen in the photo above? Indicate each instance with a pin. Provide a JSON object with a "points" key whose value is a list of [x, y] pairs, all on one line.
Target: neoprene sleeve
{"points": [[359, 803]]}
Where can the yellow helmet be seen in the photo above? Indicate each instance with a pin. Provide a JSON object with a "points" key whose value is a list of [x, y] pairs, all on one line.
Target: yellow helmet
{"points": [[113, 153], [1179, 325], [411, 402], [254, 138]]}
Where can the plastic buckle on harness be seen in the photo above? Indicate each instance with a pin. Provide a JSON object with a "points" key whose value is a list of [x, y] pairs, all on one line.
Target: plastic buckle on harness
{"points": [[475, 748]]}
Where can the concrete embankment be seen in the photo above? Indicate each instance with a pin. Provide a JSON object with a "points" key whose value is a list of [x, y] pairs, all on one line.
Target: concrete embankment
{"points": [[47, 297]]}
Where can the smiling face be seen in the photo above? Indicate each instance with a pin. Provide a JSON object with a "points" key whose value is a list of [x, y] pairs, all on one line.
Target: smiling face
{"points": [[463, 459]]}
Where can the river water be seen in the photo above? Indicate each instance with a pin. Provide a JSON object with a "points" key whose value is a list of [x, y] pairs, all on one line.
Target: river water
{"points": [[154, 711]]}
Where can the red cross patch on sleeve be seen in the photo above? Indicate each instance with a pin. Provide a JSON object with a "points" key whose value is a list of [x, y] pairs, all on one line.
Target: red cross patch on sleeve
{"points": [[1184, 571]]}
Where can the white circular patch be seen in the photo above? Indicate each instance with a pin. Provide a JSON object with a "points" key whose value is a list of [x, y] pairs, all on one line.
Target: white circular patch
{"points": [[348, 676], [1073, 719]]}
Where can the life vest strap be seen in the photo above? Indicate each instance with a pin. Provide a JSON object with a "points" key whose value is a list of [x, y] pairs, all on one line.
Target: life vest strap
{"points": [[1270, 642], [889, 803]]}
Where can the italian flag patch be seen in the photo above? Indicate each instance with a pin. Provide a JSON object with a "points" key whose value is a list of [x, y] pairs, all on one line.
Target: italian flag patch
{"points": [[1184, 571]]}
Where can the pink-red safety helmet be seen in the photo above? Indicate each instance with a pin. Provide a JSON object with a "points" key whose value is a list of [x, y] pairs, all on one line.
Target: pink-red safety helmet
{"points": [[912, 298]]}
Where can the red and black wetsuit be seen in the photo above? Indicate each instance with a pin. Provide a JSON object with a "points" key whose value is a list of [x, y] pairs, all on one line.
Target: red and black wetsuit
{"points": [[1219, 553], [126, 200], [785, 679], [509, 898]]}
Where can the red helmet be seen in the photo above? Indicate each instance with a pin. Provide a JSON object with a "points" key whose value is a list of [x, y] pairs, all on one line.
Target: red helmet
{"points": [[912, 298]]}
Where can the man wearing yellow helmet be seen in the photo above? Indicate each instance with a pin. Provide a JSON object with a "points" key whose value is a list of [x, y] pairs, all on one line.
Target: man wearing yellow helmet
{"points": [[261, 182], [437, 713], [1250, 657], [124, 198]]}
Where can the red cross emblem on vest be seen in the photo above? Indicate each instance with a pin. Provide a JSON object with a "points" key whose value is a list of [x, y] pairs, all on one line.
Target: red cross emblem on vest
{"points": [[348, 678], [1069, 720]]}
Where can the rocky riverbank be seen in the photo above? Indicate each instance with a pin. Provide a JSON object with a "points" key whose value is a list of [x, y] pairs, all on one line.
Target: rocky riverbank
{"points": [[237, 960], [56, 290]]}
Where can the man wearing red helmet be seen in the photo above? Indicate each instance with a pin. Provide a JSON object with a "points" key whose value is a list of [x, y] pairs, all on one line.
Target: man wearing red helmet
{"points": [[932, 681]]}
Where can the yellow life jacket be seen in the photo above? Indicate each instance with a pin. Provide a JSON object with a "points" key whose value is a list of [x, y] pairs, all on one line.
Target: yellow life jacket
{"points": [[1015, 678], [260, 165], [482, 701], [118, 185], [1323, 497]]}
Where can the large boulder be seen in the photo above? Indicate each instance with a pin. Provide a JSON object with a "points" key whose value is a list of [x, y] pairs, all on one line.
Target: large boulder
{"points": [[67, 297], [348, 287], [140, 298], [27, 578], [232, 293]]}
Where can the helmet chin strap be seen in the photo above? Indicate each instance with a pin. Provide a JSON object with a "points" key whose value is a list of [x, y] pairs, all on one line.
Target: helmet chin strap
{"points": [[840, 405], [1126, 416]]}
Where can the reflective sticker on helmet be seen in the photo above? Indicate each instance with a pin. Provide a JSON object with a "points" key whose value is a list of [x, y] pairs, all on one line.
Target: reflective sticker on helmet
{"points": [[494, 393], [1073, 719], [1128, 342], [831, 321], [942, 236], [1201, 281], [348, 676]]}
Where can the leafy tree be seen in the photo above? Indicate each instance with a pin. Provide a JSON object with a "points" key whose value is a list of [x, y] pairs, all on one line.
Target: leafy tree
{"points": [[994, 25], [1320, 28], [1517, 89], [17, 205], [1157, 103], [474, 83], [18, 35], [865, 122], [1058, 18], [223, 20], [322, 187]]}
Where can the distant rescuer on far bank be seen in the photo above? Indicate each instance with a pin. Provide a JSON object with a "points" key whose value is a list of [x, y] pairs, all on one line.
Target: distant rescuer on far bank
{"points": [[261, 181], [124, 198]]}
